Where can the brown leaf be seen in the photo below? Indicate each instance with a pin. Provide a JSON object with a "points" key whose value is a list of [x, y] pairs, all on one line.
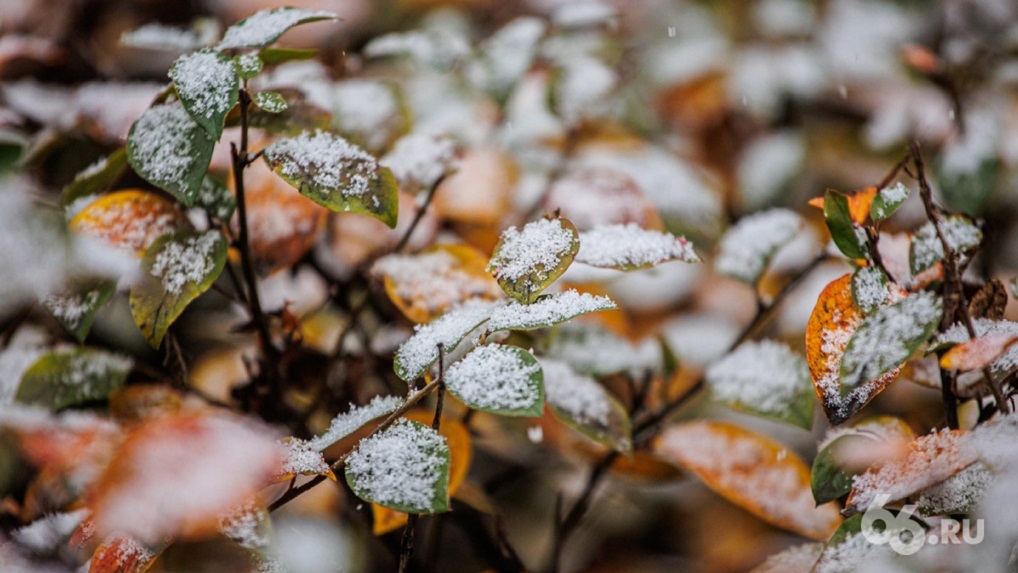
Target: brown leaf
{"points": [[990, 301]]}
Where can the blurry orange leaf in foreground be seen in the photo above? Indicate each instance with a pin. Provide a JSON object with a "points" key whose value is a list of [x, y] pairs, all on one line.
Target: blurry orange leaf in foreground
{"points": [[460, 454], [132, 219], [480, 191], [751, 471], [834, 320], [977, 353], [927, 461], [859, 204], [121, 554], [175, 475]]}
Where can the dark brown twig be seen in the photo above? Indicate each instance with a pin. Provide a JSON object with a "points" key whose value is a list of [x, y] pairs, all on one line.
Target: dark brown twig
{"points": [[419, 215]]}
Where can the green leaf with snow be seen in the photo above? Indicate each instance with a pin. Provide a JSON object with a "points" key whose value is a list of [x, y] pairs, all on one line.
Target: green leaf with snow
{"points": [[169, 150], [405, 468], [525, 262], [748, 247], [887, 201], [75, 311], [418, 353], [849, 237], [354, 419], [959, 493], [887, 338], [298, 116], [68, 378], [95, 179], [765, 378], [831, 477], [547, 310], [630, 247], [336, 174], [967, 188], [248, 65], [216, 199], [584, 405], [275, 56], [590, 349], [208, 86], [176, 269], [271, 102], [962, 235], [870, 289], [500, 379], [266, 26]]}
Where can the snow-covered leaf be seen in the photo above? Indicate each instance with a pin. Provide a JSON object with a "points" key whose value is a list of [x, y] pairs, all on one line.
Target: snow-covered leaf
{"points": [[847, 452], [355, 418], [958, 334], [216, 199], [497, 378], [765, 378], [978, 353], [418, 160], [155, 36], [506, 55], [843, 216], [123, 554], [271, 102], [176, 269], [67, 378], [266, 26], [959, 493], [208, 86], [421, 351], [752, 471], [748, 247], [95, 179], [927, 461], [335, 174], [547, 310], [167, 148], [795, 559], [629, 247], [302, 458], [834, 320], [525, 262], [430, 47], [870, 289], [131, 219], [590, 349], [961, 233], [425, 284], [582, 403], [247, 525], [248, 65], [594, 196], [887, 338], [76, 310], [580, 87], [405, 468], [887, 201]]}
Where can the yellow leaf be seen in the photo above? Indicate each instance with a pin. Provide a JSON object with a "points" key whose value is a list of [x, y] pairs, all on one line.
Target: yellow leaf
{"points": [[132, 219], [977, 353]]}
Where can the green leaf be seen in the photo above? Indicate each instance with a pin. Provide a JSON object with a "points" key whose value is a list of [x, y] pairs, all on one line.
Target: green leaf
{"points": [[208, 86], [276, 56], [216, 199], [831, 477], [420, 351], [500, 379], [765, 378], [525, 262], [547, 310], [845, 233], [266, 26], [177, 268], [12, 149], [590, 349], [870, 289], [169, 150], [962, 235], [271, 102], [584, 405], [61, 379], [887, 201], [75, 311], [336, 174], [248, 65], [298, 116], [354, 419], [629, 247], [405, 468], [748, 247], [887, 338], [97, 178], [969, 190]]}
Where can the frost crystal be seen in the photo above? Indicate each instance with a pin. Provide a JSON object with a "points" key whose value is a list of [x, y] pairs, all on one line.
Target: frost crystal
{"points": [[325, 161], [71, 308], [302, 458], [264, 27], [185, 262], [958, 494], [401, 466], [419, 159], [766, 376], [245, 525], [348, 422], [748, 247], [629, 246], [548, 310], [205, 81], [161, 144], [494, 376], [418, 353], [534, 251], [581, 397]]}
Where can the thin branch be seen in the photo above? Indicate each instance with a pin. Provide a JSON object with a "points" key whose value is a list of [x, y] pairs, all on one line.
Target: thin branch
{"points": [[419, 215]]}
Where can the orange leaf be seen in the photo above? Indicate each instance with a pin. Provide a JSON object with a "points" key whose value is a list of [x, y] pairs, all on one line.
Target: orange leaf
{"points": [[480, 191], [352, 241], [601, 196], [832, 323], [133, 219], [460, 453], [977, 353], [121, 554], [752, 471], [920, 58], [927, 461], [139, 401], [858, 204]]}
